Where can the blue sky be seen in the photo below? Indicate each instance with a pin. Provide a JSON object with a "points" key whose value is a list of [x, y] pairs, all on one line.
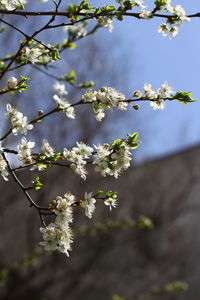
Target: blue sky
{"points": [[155, 59]]}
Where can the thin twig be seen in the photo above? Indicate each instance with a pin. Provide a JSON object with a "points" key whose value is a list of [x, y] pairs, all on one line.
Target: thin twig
{"points": [[91, 15]]}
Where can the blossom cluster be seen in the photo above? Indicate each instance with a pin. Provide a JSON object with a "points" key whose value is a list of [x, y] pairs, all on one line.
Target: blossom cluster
{"points": [[104, 98], [106, 22], [144, 13], [25, 152], [76, 30], [77, 157], [112, 161], [58, 235], [38, 53], [156, 96], [172, 26], [32, 54], [19, 122], [109, 160]]}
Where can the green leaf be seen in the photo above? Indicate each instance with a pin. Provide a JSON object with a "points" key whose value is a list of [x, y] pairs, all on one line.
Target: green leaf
{"points": [[42, 165], [160, 3], [87, 84], [117, 297], [71, 46], [70, 77], [99, 193], [145, 223], [132, 141], [4, 273], [117, 144], [85, 5], [3, 28], [11, 92], [176, 286], [54, 54], [127, 5], [184, 97], [72, 8], [111, 194], [37, 185], [108, 8]]}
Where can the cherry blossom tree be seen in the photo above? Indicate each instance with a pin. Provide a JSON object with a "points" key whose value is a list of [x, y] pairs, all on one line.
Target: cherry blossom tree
{"points": [[108, 159]]}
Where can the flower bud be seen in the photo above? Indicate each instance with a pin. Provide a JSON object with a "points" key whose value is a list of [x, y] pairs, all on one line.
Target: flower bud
{"points": [[12, 82], [40, 112], [137, 94], [136, 107]]}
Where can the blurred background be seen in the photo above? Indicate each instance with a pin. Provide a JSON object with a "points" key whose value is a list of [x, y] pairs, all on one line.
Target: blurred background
{"points": [[148, 247]]}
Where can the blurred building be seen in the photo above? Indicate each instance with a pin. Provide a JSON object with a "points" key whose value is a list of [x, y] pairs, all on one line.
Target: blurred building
{"points": [[124, 257]]}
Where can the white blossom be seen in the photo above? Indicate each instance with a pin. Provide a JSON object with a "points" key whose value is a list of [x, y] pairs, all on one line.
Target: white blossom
{"points": [[63, 209], [89, 204], [25, 151], [122, 105], [19, 123], [70, 198], [47, 149], [3, 168], [109, 97], [180, 12], [164, 29], [166, 91], [32, 54], [174, 30], [59, 88], [66, 240], [89, 96], [1, 148], [76, 30], [80, 170], [65, 106], [149, 92], [83, 149], [99, 114], [111, 202], [145, 14], [106, 22], [157, 104]]}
